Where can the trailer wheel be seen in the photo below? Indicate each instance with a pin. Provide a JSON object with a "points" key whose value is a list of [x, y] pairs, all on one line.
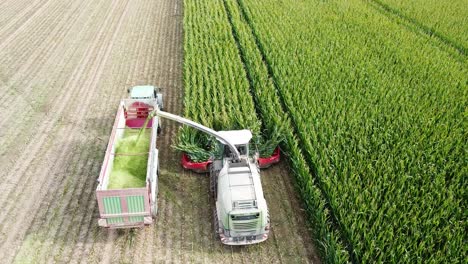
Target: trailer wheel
{"points": [[154, 210]]}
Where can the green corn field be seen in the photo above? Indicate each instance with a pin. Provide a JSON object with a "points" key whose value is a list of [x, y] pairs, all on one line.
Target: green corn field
{"points": [[216, 87], [446, 20], [369, 101]]}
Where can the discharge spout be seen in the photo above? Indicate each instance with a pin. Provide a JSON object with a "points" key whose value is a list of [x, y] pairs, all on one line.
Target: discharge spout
{"points": [[200, 127]]}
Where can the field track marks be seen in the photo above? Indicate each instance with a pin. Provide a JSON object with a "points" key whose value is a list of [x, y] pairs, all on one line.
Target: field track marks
{"points": [[76, 190], [64, 232], [25, 53], [72, 87], [19, 19], [418, 27], [296, 245], [28, 110], [9, 10], [52, 191], [40, 25], [17, 42], [133, 21], [102, 56], [108, 247], [49, 121], [14, 54]]}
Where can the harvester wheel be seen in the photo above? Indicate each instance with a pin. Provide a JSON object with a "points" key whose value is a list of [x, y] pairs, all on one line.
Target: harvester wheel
{"points": [[268, 217], [213, 182], [215, 222]]}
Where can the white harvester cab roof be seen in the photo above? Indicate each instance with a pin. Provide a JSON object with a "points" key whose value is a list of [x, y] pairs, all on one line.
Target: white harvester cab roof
{"points": [[237, 137]]}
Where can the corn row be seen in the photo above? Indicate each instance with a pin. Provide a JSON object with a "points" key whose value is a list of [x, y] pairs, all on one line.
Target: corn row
{"points": [[380, 114]]}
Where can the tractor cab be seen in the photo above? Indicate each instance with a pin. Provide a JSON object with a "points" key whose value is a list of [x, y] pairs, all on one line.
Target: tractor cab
{"points": [[147, 92]]}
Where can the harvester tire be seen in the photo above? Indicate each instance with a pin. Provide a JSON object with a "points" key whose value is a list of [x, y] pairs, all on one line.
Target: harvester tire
{"points": [[215, 223], [213, 182]]}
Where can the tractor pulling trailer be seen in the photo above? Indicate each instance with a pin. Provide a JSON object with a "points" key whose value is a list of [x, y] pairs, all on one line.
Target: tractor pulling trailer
{"points": [[240, 214], [131, 206]]}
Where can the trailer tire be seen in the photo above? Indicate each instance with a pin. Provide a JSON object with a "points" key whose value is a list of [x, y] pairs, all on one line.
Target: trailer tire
{"points": [[154, 210]]}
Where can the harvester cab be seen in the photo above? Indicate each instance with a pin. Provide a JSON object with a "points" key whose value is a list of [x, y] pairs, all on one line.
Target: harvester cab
{"points": [[240, 139]]}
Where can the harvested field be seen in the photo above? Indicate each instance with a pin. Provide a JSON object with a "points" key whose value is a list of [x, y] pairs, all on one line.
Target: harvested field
{"points": [[64, 66]]}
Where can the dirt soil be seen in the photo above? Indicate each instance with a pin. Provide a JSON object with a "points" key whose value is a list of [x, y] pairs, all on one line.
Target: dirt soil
{"points": [[64, 66]]}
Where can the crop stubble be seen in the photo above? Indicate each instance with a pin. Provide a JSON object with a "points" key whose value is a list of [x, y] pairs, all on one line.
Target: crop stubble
{"points": [[65, 67]]}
